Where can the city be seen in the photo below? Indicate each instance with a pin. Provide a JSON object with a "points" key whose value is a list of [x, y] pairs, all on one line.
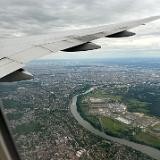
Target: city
{"points": [[39, 114]]}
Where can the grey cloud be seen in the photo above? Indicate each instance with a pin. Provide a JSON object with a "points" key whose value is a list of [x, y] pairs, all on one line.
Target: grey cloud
{"points": [[35, 16]]}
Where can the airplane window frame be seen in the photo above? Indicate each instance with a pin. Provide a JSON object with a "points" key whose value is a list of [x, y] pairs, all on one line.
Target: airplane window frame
{"points": [[8, 149]]}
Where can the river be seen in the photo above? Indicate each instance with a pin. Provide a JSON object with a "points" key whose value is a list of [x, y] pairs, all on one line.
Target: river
{"points": [[152, 152]]}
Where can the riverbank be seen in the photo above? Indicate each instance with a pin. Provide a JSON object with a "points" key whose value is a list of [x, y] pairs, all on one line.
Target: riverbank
{"points": [[154, 153], [106, 110]]}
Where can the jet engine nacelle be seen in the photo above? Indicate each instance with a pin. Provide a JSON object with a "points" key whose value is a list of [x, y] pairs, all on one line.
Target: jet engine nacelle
{"points": [[83, 47], [122, 34], [18, 75]]}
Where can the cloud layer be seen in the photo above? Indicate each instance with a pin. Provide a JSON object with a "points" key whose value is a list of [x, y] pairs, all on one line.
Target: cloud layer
{"points": [[34, 16], [30, 17]]}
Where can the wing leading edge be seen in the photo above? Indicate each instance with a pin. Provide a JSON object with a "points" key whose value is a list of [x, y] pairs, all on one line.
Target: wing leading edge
{"points": [[30, 48]]}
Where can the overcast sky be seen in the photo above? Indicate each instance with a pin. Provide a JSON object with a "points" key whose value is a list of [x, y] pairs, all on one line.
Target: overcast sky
{"points": [[28, 17]]}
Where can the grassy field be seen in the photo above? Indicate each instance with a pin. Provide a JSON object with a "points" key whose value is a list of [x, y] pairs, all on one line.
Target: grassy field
{"points": [[115, 127], [148, 139], [122, 130], [134, 105], [102, 94]]}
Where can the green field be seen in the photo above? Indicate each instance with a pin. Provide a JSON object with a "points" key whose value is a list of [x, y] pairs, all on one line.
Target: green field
{"points": [[134, 105], [114, 127], [134, 102], [148, 139], [102, 94]]}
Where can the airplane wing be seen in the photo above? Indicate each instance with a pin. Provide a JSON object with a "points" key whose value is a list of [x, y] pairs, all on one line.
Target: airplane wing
{"points": [[16, 52]]}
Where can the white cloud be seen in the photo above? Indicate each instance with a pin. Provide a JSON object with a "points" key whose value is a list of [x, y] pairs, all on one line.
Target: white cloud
{"points": [[30, 17]]}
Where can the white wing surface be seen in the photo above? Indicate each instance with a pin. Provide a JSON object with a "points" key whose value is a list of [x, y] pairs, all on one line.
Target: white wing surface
{"points": [[14, 53]]}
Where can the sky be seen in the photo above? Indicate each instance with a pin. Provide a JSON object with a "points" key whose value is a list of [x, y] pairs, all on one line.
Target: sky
{"points": [[33, 17]]}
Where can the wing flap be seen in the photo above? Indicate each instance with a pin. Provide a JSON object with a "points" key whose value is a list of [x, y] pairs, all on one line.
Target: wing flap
{"points": [[30, 54], [8, 66], [63, 44], [45, 49]]}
